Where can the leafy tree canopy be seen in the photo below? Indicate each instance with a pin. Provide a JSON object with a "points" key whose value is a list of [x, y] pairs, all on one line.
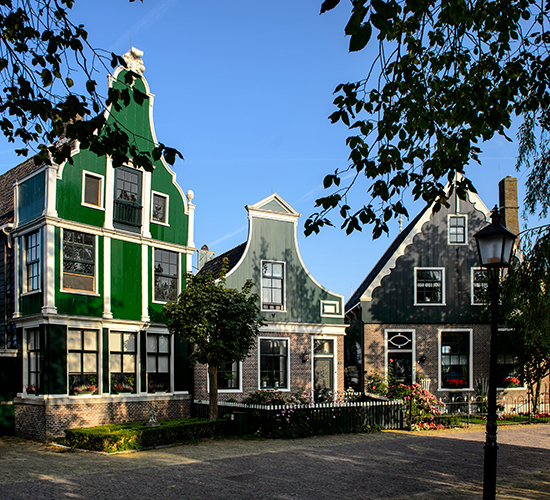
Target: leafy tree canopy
{"points": [[40, 52], [448, 75], [525, 299], [222, 323]]}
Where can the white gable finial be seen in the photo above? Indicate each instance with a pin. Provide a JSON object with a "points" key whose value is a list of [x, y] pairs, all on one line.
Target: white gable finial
{"points": [[134, 61]]}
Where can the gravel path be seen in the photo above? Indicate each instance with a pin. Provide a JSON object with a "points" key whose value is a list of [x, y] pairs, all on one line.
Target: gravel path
{"points": [[423, 465]]}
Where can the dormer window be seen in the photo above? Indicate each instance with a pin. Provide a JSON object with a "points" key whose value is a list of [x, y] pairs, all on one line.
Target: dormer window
{"points": [[127, 205], [457, 229]]}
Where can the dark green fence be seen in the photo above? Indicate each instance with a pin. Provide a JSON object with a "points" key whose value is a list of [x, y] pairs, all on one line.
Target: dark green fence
{"points": [[290, 421]]}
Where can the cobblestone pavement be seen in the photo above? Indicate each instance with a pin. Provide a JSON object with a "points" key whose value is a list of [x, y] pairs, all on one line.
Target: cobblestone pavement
{"points": [[396, 465]]}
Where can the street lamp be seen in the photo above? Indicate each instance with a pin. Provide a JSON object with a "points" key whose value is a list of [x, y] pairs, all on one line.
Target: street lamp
{"points": [[494, 245]]}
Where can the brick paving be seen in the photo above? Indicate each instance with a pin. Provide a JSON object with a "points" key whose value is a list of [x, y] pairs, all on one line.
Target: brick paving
{"points": [[388, 465]]}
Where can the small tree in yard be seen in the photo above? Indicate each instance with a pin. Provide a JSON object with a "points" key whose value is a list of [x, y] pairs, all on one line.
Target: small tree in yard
{"points": [[525, 296], [222, 323]]}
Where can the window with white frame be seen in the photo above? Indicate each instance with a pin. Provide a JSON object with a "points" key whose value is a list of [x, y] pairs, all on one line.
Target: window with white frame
{"points": [[274, 363], [479, 285], [455, 359], [457, 229], [32, 251], [166, 275], [78, 261], [273, 282], [229, 376], [158, 362], [92, 190], [33, 361], [127, 202], [430, 286], [83, 361], [123, 362], [400, 356], [159, 208]]}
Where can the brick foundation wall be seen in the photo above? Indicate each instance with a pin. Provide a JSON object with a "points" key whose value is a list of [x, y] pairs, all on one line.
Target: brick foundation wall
{"points": [[43, 419]]}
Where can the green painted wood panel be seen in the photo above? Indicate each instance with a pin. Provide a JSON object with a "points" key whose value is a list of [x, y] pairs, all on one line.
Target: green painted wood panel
{"points": [[125, 280], [55, 359]]}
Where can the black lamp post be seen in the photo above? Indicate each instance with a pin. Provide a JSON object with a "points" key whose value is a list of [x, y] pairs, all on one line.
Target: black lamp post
{"points": [[494, 244]]}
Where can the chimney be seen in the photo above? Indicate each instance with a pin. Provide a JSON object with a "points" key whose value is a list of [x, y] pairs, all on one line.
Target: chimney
{"points": [[205, 255], [508, 201]]}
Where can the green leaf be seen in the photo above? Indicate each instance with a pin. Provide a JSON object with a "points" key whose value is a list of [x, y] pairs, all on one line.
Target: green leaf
{"points": [[329, 5], [360, 38]]}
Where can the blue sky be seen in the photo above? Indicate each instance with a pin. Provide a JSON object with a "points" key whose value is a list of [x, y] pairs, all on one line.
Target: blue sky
{"points": [[243, 89]]}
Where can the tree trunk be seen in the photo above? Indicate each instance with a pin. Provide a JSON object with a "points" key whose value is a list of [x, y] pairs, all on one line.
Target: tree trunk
{"points": [[213, 395]]}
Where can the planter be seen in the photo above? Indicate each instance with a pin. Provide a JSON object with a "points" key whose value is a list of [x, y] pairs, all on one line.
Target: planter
{"points": [[83, 393]]}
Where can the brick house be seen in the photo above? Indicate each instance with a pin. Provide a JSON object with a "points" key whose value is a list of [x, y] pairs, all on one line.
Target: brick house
{"points": [[91, 254], [301, 347], [421, 313]]}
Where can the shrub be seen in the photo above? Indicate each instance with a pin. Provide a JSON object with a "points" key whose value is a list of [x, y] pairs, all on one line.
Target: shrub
{"points": [[421, 405], [136, 436], [274, 397]]}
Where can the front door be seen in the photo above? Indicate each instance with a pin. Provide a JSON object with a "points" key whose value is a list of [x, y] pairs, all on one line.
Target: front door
{"points": [[400, 357], [323, 367]]}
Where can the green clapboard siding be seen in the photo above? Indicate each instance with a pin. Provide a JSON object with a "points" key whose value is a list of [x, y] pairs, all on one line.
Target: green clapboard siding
{"points": [[69, 189], [125, 280]]}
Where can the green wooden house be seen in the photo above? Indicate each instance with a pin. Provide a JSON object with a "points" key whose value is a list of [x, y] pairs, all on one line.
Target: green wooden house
{"points": [[92, 253], [301, 346]]}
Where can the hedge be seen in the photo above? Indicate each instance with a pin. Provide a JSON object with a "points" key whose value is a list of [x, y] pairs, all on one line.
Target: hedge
{"points": [[139, 435]]}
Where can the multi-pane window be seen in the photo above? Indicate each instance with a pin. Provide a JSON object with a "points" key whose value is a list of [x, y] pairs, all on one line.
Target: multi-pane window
{"points": [[127, 208], [508, 372], [78, 261], [455, 359], [92, 190], [33, 361], [479, 286], [33, 261], [228, 375], [429, 286], [82, 357], [273, 285], [159, 208], [158, 363], [273, 364], [166, 275], [123, 362], [457, 229]]}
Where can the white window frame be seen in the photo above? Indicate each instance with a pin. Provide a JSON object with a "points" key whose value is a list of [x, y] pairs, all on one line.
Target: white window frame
{"points": [[178, 285], [101, 190], [239, 389], [287, 339], [443, 294], [469, 387], [166, 209], [284, 286], [462, 216], [328, 304], [334, 358], [114, 329], [387, 334], [472, 272], [96, 266], [145, 389], [99, 359], [25, 284]]}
